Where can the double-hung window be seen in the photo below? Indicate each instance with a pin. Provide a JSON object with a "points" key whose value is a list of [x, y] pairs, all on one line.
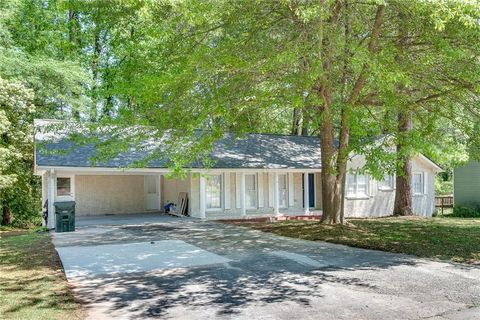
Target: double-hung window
{"points": [[213, 192], [282, 190], [357, 186], [387, 183], [251, 191], [418, 183]]}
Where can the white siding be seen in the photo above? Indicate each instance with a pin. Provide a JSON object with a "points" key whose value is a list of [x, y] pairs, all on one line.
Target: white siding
{"points": [[424, 205], [380, 202]]}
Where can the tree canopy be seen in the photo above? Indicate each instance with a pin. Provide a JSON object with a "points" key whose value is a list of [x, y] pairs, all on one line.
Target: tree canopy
{"points": [[346, 71]]}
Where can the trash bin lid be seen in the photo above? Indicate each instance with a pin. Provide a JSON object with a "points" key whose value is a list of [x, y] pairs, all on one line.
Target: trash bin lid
{"points": [[64, 204]]}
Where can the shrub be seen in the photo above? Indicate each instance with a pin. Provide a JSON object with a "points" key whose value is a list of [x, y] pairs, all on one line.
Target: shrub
{"points": [[466, 211]]}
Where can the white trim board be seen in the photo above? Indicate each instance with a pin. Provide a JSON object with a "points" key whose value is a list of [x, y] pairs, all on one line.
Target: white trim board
{"points": [[39, 170]]}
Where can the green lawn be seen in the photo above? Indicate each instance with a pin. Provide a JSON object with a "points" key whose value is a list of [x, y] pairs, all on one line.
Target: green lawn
{"points": [[455, 239], [32, 284]]}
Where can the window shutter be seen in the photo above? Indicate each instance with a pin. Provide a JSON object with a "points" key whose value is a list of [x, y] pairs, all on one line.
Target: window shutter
{"points": [[238, 201], [226, 190], [271, 187], [291, 190], [425, 183], [261, 200]]}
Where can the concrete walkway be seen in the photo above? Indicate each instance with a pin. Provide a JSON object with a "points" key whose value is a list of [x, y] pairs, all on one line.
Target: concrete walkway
{"points": [[180, 268]]}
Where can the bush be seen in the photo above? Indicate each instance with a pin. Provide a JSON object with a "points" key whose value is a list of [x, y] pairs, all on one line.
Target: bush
{"points": [[443, 187], [466, 211]]}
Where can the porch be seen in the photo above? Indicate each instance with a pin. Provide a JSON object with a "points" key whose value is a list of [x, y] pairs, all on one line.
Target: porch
{"points": [[214, 194]]}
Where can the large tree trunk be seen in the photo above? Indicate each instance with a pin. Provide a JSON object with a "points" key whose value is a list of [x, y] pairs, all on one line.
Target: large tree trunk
{"points": [[6, 214], [403, 192], [335, 161], [76, 45], [332, 170], [330, 190], [297, 122], [95, 64]]}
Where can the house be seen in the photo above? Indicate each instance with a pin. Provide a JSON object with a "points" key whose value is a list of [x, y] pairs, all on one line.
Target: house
{"points": [[466, 184], [260, 174]]}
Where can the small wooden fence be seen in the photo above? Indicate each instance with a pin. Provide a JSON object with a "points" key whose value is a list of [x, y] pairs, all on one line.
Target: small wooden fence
{"points": [[443, 202]]}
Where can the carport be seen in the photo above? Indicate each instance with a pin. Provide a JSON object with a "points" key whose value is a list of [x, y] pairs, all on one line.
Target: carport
{"points": [[108, 193]]}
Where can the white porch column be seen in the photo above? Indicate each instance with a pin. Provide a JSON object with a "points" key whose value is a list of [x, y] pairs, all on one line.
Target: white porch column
{"points": [[306, 193], [160, 207], [243, 207], [51, 199], [202, 197], [226, 191], [291, 190], [276, 198]]}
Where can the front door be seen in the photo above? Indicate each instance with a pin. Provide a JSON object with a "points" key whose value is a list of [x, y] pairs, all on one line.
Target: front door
{"points": [[311, 190], [152, 193]]}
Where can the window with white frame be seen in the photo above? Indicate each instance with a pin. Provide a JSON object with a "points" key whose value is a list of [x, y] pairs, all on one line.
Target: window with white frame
{"points": [[418, 182], [282, 190], [213, 192], [386, 183], [357, 185], [250, 191], [64, 187]]}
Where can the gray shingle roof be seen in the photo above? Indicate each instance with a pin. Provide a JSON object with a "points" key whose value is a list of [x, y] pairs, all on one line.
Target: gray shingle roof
{"points": [[256, 151]]}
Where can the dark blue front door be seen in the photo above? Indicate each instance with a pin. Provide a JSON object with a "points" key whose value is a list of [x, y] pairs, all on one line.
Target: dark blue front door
{"points": [[311, 190]]}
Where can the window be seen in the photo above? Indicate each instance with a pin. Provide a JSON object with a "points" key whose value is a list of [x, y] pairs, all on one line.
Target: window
{"points": [[250, 191], [357, 185], [387, 183], [282, 190], [64, 187], [418, 183], [213, 191]]}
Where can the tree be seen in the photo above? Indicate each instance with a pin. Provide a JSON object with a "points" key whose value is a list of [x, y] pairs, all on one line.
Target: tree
{"points": [[347, 71], [230, 66], [16, 135], [425, 95], [36, 80]]}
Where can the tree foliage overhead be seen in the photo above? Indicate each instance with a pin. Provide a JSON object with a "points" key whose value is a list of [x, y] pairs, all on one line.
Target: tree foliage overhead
{"points": [[343, 70], [350, 66]]}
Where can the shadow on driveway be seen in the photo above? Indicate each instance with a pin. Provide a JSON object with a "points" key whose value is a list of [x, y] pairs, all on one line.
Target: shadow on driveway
{"points": [[267, 277]]}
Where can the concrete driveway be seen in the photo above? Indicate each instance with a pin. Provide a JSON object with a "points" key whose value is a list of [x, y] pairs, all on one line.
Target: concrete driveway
{"points": [[179, 268]]}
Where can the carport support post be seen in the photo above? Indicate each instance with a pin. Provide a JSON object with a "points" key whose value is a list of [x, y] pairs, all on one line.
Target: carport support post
{"points": [[276, 204], [243, 209], [202, 197], [51, 199], [306, 193]]}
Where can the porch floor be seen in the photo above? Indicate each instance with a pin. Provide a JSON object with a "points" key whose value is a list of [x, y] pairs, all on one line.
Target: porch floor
{"points": [[288, 215]]}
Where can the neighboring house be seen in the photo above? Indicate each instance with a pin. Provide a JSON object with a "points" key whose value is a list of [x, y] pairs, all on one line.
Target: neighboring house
{"points": [[466, 184], [261, 174]]}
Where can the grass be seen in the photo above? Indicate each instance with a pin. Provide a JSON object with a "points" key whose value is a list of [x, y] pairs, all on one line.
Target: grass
{"points": [[32, 283], [455, 239]]}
